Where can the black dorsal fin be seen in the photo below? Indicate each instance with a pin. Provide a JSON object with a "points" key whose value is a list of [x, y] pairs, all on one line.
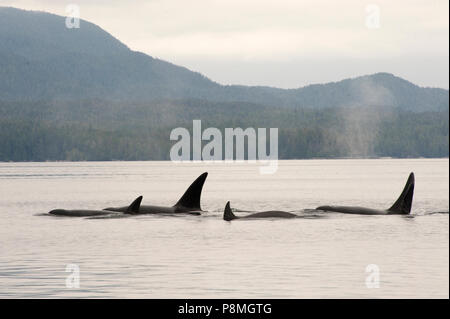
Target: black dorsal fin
{"points": [[404, 202], [191, 198], [134, 207], [227, 213]]}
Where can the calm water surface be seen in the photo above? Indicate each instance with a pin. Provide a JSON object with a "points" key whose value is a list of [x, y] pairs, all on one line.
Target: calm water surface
{"points": [[322, 256]]}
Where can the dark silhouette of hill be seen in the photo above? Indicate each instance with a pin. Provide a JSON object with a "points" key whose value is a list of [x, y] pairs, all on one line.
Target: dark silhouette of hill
{"points": [[41, 59]]}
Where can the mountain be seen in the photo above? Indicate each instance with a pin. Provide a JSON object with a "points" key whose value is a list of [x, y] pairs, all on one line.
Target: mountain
{"points": [[80, 94], [41, 59]]}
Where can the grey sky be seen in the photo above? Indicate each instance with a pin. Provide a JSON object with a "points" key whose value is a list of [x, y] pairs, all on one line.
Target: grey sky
{"points": [[283, 43]]}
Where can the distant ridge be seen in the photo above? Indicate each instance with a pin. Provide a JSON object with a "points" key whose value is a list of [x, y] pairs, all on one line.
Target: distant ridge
{"points": [[40, 59]]}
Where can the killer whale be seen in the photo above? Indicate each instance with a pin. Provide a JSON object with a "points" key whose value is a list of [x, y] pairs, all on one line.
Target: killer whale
{"points": [[189, 203], [402, 205], [228, 214], [132, 209]]}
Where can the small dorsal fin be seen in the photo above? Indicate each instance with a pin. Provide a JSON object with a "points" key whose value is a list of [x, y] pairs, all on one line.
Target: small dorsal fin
{"points": [[227, 213], [134, 207], [404, 202], [191, 198]]}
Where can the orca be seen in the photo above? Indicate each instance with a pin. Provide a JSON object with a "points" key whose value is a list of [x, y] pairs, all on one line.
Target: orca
{"points": [[401, 207], [132, 209], [228, 214], [189, 203]]}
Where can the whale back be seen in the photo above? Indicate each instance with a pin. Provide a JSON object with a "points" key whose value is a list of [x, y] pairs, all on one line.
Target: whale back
{"points": [[404, 202], [191, 198], [272, 214]]}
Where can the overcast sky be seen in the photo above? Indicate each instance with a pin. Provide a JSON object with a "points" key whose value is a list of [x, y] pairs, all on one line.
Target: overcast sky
{"points": [[283, 43]]}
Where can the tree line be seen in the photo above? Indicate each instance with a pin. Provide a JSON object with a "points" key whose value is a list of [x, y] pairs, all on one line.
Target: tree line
{"points": [[141, 132]]}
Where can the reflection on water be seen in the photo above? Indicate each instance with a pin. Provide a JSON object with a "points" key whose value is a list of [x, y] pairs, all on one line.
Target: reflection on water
{"points": [[192, 256]]}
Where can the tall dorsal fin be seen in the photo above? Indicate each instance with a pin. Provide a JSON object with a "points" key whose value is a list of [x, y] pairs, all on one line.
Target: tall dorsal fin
{"points": [[191, 198], [134, 207], [227, 213], [404, 202]]}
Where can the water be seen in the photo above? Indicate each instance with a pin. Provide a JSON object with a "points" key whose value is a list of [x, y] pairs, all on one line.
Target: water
{"points": [[206, 257]]}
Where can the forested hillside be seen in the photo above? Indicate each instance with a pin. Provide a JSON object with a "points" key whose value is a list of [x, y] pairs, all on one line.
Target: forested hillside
{"points": [[40, 59], [80, 94], [93, 131]]}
